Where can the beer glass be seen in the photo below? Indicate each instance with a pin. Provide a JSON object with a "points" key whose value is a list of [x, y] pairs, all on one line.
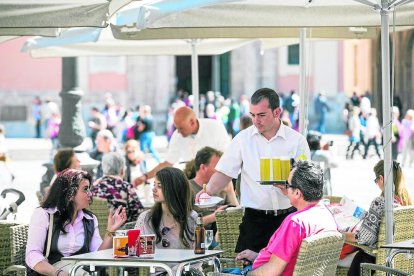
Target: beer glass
{"points": [[285, 168], [277, 169], [264, 169]]}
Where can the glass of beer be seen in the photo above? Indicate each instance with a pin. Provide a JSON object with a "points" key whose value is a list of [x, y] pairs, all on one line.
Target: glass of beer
{"points": [[264, 169], [277, 169], [285, 167]]}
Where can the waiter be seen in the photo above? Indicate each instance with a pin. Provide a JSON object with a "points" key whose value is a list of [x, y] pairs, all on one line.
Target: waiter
{"points": [[265, 206]]}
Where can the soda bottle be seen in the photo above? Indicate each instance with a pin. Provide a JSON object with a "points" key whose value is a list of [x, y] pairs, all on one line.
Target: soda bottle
{"points": [[199, 236]]}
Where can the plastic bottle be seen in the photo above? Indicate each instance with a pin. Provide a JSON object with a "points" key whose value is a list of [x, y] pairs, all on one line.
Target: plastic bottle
{"points": [[199, 236]]}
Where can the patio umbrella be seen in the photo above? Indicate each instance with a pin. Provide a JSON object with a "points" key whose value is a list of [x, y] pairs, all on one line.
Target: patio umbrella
{"points": [[30, 31], [257, 14], [45, 17], [100, 42]]}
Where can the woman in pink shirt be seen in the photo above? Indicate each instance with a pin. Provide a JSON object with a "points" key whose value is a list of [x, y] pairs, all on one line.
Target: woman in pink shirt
{"points": [[75, 229]]}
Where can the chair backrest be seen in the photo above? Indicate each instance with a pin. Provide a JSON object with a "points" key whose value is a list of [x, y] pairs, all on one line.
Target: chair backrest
{"points": [[228, 222], [403, 230], [13, 240], [367, 269], [319, 254], [100, 208]]}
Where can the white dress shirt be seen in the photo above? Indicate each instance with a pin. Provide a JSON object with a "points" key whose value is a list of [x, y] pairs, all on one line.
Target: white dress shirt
{"points": [[211, 133], [247, 148]]}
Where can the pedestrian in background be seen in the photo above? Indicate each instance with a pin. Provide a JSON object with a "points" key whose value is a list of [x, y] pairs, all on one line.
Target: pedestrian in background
{"points": [[37, 116], [321, 109], [373, 132]]}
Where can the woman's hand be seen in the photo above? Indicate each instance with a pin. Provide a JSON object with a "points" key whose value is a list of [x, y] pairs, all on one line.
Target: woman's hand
{"points": [[116, 219], [349, 237]]}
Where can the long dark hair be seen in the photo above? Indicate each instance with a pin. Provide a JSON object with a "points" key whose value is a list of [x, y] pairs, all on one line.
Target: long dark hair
{"points": [[61, 194], [177, 195]]}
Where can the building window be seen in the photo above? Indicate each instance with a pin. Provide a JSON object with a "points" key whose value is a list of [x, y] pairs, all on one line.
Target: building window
{"points": [[293, 54], [13, 113]]}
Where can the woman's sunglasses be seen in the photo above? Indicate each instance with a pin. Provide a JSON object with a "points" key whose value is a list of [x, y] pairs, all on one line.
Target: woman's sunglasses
{"points": [[164, 241]]}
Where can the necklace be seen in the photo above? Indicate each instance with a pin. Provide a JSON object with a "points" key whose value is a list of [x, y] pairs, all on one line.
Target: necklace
{"points": [[172, 226]]}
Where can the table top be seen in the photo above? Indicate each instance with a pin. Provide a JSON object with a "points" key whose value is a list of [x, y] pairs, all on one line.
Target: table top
{"points": [[408, 245], [161, 255]]}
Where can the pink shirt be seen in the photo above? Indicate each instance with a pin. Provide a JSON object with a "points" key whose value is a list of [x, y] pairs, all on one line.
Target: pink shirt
{"points": [[67, 243], [286, 241]]}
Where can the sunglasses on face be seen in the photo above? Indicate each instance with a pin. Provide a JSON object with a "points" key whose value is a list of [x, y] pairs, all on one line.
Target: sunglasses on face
{"points": [[164, 241], [287, 185]]}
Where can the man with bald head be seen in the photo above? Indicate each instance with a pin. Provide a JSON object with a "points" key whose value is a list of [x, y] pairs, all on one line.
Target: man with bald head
{"points": [[191, 135]]}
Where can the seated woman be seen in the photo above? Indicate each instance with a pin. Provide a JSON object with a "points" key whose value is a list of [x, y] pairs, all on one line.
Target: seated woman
{"points": [[65, 158], [368, 232], [113, 188], [75, 229], [171, 218]]}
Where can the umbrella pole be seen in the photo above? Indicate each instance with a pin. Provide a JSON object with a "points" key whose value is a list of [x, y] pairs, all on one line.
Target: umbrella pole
{"points": [[387, 123], [302, 84], [194, 76]]}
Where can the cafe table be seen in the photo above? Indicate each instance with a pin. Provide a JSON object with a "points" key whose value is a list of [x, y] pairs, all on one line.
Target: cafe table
{"points": [[398, 248], [163, 257]]}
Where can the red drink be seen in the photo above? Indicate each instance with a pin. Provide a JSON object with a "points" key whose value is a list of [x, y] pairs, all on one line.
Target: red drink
{"points": [[133, 242]]}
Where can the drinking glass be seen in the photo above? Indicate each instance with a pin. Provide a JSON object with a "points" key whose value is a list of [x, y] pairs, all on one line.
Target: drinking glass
{"points": [[264, 169], [209, 238]]}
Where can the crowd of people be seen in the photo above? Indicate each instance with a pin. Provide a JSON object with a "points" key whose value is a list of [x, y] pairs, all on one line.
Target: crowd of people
{"points": [[364, 130], [276, 217]]}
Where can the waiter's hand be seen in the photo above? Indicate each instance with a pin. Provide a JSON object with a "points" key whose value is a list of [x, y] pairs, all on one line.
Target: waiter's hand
{"points": [[282, 187], [197, 196]]}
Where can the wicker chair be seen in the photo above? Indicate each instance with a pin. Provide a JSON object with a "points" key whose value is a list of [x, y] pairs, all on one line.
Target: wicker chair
{"points": [[318, 255], [403, 230], [100, 208], [228, 222], [13, 239], [366, 270]]}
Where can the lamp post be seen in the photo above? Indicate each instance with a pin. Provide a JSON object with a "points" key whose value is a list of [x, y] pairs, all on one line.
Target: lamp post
{"points": [[72, 131]]}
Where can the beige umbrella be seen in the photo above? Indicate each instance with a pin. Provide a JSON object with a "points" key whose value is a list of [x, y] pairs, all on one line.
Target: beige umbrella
{"points": [[46, 17]]}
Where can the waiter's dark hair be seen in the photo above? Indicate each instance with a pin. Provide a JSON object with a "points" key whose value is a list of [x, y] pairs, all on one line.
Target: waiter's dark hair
{"points": [[266, 93]]}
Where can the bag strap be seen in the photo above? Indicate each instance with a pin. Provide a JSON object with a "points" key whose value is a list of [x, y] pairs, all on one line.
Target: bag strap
{"points": [[49, 235]]}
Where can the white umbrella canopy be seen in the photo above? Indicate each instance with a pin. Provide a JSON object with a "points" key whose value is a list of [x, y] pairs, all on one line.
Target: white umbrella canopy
{"points": [[23, 16], [264, 13], [100, 42], [134, 33], [30, 31]]}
